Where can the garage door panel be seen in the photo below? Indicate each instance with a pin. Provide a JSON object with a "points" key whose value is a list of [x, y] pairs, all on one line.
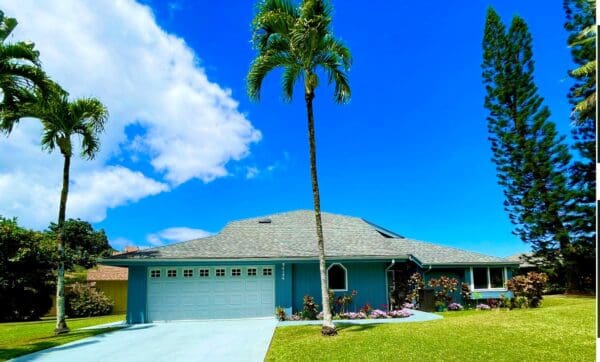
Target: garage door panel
{"points": [[196, 297]]}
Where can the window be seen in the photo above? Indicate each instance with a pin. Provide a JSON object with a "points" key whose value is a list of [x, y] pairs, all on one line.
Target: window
{"points": [[155, 273], [480, 278], [220, 272], [187, 273], [203, 273], [496, 277], [337, 278], [251, 272], [488, 278], [236, 272], [172, 273], [267, 271]]}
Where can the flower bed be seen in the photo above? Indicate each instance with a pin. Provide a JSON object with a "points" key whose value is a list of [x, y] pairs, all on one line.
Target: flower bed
{"points": [[375, 314]]}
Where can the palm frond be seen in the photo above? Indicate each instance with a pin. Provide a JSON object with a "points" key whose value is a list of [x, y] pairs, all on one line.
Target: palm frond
{"points": [[7, 25], [259, 69], [290, 75]]}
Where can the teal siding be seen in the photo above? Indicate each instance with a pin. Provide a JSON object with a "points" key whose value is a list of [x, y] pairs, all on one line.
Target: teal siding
{"points": [[367, 278], [136, 295], [283, 286]]}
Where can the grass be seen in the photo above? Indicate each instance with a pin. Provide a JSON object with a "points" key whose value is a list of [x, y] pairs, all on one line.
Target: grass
{"points": [[21, 338], [562, 329]]}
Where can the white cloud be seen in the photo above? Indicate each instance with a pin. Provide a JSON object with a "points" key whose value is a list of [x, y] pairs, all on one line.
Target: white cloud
{"points": [[114, 50], [175, 234], [251, 172]]}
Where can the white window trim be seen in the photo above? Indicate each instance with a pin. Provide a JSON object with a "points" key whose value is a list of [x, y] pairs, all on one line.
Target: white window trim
{"points": [[489, 288], [345, 277]]}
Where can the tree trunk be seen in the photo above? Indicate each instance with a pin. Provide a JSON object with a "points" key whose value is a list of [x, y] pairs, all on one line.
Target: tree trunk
{"points": [[328, 326], [61, 324]]}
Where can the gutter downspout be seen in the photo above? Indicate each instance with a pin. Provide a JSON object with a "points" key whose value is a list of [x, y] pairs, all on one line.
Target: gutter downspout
{"points": [[387, 286]]}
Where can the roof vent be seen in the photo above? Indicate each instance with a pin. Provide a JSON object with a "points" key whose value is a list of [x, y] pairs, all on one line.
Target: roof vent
{"points": [[264, 221]]}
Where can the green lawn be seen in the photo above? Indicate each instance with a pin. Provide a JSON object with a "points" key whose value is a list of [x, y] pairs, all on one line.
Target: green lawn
{"points": [[20, 338], [562, 329]]}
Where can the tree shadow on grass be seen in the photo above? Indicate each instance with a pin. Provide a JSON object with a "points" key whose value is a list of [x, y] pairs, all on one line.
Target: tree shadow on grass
{"points": [[353, 327], [9, 352]]}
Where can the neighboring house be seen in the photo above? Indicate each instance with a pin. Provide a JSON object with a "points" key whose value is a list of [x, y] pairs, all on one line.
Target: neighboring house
{"points": [[526, 262], [254, 265], [112, 281]]}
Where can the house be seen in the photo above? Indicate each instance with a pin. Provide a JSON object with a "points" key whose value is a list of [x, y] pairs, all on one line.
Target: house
{"points": [[254, 265], [112, 281]]}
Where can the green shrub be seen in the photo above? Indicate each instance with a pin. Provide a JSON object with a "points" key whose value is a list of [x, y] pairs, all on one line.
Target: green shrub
{"points": [[83, 301]]}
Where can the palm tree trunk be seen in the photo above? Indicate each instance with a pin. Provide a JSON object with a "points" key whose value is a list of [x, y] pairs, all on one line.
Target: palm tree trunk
{"points": [[328, 326], [61, 323]]}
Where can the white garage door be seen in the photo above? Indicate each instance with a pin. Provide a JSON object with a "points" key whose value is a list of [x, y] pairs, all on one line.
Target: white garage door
{"points": [[176, 293]]}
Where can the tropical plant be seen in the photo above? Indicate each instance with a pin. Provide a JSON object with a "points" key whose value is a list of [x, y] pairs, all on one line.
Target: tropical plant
{"points": [[530, 286], [299, 39], [61, 120], [415, 284], [444, 288], [280, 313], [310, 308], [465, 293], [20, 74]]}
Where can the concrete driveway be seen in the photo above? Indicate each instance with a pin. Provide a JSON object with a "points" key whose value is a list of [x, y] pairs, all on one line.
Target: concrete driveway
{"points": [[210, 340]]}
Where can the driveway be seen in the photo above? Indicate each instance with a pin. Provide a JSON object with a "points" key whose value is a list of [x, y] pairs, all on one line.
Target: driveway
{"points": [[210, 340]]}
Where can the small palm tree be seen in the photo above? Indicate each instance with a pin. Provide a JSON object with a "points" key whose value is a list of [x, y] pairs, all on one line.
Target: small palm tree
{"points": [[299, 40], [62, 119], [20, 74]]}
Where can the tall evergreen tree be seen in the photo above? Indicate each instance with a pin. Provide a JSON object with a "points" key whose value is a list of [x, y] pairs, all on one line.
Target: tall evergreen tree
{"points": [[531, 158], [580, 15]]}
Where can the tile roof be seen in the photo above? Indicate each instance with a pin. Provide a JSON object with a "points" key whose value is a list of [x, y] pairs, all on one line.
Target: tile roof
{"points": [[104, 272], [292, 235]]}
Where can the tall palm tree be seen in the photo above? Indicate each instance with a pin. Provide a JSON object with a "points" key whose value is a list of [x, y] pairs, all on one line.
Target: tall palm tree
{"points": [[62, 119], [299, 39], [20, 74]]}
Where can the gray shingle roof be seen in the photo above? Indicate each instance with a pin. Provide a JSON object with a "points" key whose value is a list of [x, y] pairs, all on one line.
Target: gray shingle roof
{"points": [[292, 235]]}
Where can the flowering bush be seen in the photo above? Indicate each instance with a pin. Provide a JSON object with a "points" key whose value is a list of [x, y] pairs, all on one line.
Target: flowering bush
{"points": [[455, 306], [529, 286], [444, 288], [482, 306], [366, 309], [415, 284], [408, 306], [401, 313], [83, 301], [352, 315], [310, 308], [465, 293], [377, 314]]}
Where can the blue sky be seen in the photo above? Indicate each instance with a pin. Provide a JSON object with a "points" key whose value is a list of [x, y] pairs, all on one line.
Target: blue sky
{"points": [[409, 152]]}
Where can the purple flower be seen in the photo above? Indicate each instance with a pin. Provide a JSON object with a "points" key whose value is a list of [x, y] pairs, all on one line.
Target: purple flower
{"points": [[455, 306], [408, 306], [483, 307], [401, 313], [377, 314]]}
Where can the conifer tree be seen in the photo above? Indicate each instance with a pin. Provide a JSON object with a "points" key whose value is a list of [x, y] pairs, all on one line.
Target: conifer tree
{"points": [[531, 158], [580, 20]]}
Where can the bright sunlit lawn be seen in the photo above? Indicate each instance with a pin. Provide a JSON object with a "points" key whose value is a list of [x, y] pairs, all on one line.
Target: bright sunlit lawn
{"points": [[20, 338], [562, 329]]}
